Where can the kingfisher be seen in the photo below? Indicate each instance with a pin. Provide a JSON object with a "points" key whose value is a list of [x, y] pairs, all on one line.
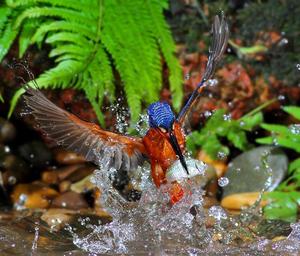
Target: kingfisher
{"points": [[163, 144]]}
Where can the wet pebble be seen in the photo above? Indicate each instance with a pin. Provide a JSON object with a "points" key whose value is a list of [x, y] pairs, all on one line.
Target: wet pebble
{"points": [[255, 170], [83, 185], [218, 165], [241, 200], [33, 195], [7, 131], [67, 157], [64, 186], [15, 170], [72, 173], [57, 218], [70, 200]]}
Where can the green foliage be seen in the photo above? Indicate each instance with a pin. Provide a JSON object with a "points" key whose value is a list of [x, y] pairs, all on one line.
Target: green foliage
{"points": [[286, 199], [220, 126], [90, 40]]}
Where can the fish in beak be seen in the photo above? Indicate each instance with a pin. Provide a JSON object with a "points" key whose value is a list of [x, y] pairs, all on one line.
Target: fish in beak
{"points": [[177, 150]]}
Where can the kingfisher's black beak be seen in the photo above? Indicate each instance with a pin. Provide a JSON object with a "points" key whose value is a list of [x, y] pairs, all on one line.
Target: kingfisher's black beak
{"points": [[177, 150]]}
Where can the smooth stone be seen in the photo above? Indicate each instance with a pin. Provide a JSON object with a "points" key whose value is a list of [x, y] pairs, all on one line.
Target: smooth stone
{"points": [[247, 172], [7, 131], [70, 200], [50, 177], [218, 165], [67, 157], [33, 195], [36, 153], [241, 200], [83, 185], [57, 218], [273, 229], [55, 176], [81, 173], [64, 172], [64, 186], [15, 170]]}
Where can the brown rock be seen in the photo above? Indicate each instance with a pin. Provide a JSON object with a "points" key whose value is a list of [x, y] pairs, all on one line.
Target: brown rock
{"points": [[57, 218], [33, 195], [70, 200], [68, 157], [239, 201], [218, 165], [81, 173], [83, 185], [7, 130], [64, 186], [64, 172], [50, 177]]}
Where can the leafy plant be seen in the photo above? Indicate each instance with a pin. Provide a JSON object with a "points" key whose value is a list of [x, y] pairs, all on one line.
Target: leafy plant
{"points": [[90, 40], [222, 126], [286, 199]]}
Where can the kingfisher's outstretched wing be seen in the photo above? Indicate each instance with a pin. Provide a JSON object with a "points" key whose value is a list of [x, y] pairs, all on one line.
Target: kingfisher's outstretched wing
{"points": [[88, 139], [219, 42]]}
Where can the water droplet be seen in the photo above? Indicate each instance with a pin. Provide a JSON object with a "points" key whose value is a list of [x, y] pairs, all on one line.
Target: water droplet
{"points": [[295, 129], [12, 180], [187, 76], [223, 181], [22, 200], [6, 149], [221, 155], [283, 42], [298, 66], [212, 82], [227, 117], [217, 212], [207, 113], [31, 156]]}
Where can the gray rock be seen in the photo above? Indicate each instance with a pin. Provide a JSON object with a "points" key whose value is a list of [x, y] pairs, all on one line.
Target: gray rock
{"points": [[260, 168]]}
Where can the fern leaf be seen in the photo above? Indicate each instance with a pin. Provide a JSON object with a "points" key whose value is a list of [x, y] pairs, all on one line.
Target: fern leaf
{"points": [[68, 37], [26, 35], [36, 12], [167, 46], [7, 37], [60, 76], [74, 27]]}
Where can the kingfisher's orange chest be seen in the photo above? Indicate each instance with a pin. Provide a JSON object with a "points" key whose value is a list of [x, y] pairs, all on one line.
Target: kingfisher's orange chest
{"points": [[159, 148]]}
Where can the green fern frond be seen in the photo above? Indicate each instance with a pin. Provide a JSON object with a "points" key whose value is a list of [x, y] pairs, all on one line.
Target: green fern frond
{"points": [[36, 12], [92, 39], [167, 46], [7, 37]]}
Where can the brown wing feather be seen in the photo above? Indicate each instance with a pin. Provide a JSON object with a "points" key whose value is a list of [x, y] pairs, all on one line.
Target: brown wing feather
{"points": [[95, 144]]}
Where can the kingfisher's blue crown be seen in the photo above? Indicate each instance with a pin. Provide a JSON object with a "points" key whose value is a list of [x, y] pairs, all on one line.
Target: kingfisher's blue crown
{"points": [[160, 115]]}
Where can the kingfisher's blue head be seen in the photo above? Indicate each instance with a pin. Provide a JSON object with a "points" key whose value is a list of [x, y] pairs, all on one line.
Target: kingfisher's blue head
{"points": [[161, 115]]}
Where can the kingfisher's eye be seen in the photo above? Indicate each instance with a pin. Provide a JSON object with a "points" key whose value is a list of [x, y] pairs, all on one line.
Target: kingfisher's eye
{"points": [[162, 129]]}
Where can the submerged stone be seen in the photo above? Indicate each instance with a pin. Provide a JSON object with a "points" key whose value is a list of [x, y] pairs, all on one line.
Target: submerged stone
{"points": [[262, 168]]}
